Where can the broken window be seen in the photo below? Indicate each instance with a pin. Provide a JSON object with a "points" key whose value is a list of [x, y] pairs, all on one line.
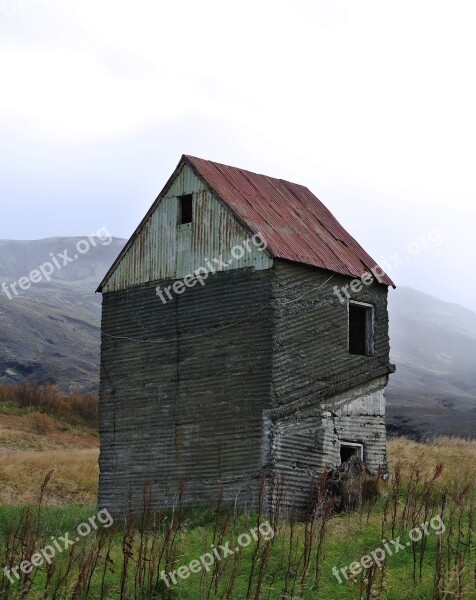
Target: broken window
{"points": [[185, 209], [361, 328], [349, 449]]}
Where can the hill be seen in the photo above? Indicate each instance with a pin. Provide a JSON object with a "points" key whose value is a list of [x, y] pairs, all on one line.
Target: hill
{"points": [[50, 332], [433, 344]]}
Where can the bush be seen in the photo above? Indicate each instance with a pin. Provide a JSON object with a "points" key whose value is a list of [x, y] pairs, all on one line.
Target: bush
{"points": [[75, 408], [85, 405], [42, 423]]}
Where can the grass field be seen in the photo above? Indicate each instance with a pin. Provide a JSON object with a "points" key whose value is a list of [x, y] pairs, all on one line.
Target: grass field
{"points": [[27, 453], [431, 484]]}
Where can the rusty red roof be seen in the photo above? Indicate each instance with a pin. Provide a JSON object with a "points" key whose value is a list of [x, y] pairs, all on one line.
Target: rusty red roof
{"points": [[293, 222]]}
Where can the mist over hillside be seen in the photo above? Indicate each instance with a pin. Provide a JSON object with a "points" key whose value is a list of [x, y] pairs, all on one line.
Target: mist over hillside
{"points": [[51, 332], [433, 344]]}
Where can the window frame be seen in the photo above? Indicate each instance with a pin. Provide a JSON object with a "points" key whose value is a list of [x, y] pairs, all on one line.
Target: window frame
{"points": [[369, 327], [180, 222], [359, 446]]}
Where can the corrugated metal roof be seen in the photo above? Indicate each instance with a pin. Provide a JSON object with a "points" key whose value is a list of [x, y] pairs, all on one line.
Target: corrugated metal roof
{"points": [[293, 222]]}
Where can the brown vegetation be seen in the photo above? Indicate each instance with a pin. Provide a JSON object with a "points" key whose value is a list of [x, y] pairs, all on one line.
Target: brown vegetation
{"points": [[42, 423], [34, 443], [427, 479], [73, 481], [73, 408]]}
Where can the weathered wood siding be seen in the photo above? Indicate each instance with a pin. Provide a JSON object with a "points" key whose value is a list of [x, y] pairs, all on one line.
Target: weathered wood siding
{"points": [[163, 250], [184, 401]]}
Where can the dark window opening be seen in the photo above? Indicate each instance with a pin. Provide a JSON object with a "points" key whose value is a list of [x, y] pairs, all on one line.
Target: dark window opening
{"points": [[186, 211], [360, 329], [349, 450]]}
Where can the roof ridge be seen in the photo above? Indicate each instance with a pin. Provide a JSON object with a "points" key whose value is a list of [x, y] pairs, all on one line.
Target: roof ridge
{"points": [[191, 158]]}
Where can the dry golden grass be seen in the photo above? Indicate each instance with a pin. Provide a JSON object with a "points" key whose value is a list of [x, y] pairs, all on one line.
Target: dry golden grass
{"points": [[457, 455], [30, 448], [74, 478], [27, 432]]}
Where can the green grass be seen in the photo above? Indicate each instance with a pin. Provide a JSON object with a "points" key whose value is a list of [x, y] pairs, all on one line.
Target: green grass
{"points": [[128, 556], [10, 408], [348, 537]]}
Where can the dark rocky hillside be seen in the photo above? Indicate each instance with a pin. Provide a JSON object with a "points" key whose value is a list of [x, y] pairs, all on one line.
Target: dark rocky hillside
{"points": [[51, 331]]}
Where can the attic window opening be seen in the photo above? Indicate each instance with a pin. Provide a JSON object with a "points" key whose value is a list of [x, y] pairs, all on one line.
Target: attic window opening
{"points": [[361, 328], [349, 449], [186, 209]]}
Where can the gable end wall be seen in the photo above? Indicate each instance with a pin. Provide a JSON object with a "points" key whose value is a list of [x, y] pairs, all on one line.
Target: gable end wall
{"points": [[163, 250]]}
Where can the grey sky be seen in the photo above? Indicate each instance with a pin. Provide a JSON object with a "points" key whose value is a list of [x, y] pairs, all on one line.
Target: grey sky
{"points": [[369, 104]]}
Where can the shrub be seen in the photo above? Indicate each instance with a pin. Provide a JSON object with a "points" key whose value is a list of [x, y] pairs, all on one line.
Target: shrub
{"points": [[75, 409], [42, 423], [86, 406]]}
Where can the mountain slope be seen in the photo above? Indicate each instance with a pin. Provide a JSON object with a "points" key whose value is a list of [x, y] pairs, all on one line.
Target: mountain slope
{"points": [[434, 347], [51, 331]]}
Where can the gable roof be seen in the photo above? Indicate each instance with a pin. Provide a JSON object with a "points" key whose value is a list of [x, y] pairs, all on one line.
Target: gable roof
{"points": [[293, 222]]}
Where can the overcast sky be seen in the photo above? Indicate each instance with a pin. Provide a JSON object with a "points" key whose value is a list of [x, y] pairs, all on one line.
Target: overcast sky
{"points": [[371, 104]]}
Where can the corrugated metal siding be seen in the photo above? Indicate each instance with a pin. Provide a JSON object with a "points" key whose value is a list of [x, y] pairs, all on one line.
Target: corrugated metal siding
{"points": [[310, 361], [310, 338], [307, 444], [188, 408], [255, 387], [162, 250], [294, 223]]}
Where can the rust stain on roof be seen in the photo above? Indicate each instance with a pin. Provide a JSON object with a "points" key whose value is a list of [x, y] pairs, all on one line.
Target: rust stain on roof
{"points": [[294, 223]]}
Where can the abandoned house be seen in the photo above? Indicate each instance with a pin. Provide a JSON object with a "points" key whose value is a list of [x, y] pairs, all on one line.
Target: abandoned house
{"points": [[244, 340]]}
